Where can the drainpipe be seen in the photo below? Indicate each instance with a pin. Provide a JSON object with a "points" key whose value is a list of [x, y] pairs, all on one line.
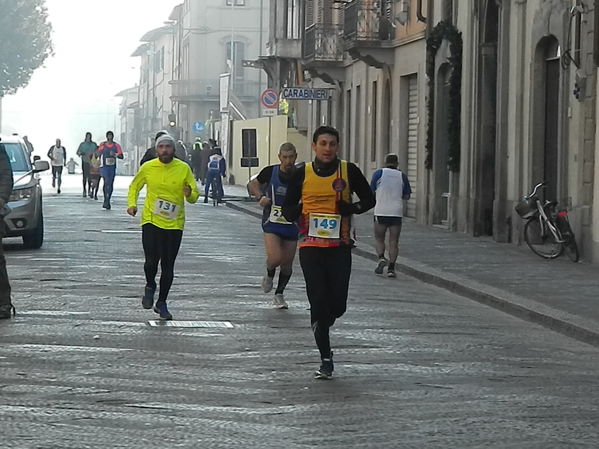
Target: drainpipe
{"points": [[419, 15]]}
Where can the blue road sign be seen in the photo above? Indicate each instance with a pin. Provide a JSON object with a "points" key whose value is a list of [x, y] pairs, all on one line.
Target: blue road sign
{"points": [[199, 127]]}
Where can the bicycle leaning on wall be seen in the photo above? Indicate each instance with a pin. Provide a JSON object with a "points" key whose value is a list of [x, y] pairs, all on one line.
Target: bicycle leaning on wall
{"points": [[547, 232]]}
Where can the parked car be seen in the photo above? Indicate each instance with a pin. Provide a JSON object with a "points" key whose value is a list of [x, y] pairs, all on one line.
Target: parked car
{"points": [[25, 218]]}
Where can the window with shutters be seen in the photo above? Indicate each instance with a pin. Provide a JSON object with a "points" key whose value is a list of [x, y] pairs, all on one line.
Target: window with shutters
{"points": [[309, 12], [293, 29]]}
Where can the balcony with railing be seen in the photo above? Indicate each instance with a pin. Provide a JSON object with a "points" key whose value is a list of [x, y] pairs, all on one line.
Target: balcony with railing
{"points": [[323, 43], [368, 34]]}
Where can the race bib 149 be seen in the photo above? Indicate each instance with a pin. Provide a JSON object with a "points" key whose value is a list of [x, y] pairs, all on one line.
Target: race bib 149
{"points": [[325, 226]]}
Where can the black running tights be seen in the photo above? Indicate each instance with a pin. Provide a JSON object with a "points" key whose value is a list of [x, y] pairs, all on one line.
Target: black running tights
{"points": [[326, 272], [160, 245]]}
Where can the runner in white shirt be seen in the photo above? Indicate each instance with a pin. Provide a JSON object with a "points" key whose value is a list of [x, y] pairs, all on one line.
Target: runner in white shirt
{"points": [[391, 188], [58, 157]]}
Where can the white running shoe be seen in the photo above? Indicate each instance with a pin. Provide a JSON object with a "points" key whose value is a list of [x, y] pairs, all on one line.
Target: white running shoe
{"points": [[267, 284], [278, 302]]}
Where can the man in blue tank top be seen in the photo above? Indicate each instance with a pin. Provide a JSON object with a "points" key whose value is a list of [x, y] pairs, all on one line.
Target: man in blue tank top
{"points": [[280, 236]]}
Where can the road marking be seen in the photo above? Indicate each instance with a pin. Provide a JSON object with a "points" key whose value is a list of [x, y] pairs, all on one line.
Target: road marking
{"points": [[209, 324], [124, 231], [51, 313]]}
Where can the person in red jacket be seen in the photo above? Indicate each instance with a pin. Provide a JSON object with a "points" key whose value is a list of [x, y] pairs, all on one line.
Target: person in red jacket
{"points": [[109, 152]]}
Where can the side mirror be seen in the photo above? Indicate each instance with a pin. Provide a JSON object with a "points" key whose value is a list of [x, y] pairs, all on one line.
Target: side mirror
{"points": [[39, 166]]}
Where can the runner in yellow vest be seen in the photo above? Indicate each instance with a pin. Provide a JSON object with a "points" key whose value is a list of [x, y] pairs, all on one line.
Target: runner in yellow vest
{"points": [[169, 183], [319, 196]]}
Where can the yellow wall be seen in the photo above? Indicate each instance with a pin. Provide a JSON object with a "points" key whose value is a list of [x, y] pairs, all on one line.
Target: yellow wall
{"points": [[266, 155]]}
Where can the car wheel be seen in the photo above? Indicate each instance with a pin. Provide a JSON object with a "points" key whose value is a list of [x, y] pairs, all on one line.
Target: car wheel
{"points": [[35, 238]]}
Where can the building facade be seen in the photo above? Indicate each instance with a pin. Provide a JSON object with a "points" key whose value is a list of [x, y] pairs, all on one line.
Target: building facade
{"points": [[213, 37], [481, 99], [527, 113], [156, 61], [130, 127]]}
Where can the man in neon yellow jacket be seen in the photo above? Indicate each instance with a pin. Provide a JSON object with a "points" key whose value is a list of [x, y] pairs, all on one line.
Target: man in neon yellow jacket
{"points": [[169, 182]]}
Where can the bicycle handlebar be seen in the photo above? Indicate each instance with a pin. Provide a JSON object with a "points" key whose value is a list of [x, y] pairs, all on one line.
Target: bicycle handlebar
{"points": [[537, 187]]}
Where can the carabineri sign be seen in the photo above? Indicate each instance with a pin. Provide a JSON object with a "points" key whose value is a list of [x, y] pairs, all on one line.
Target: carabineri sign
{"points": [[303, 93]]}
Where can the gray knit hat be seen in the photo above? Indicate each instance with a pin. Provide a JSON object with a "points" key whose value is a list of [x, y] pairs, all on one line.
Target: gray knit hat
{"points": [[165, 138]]}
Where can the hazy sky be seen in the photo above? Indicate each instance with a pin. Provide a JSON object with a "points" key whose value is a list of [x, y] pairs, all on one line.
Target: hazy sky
{"points": [[74, 91]]}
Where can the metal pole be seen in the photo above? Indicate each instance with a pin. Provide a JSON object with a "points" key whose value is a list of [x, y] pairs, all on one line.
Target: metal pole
{"points": [[260, 52], [269, 137], [232, 79]]}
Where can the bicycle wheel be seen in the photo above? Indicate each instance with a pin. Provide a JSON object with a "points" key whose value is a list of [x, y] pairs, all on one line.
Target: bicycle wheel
{"points": [[541, 240], [570, 246]]}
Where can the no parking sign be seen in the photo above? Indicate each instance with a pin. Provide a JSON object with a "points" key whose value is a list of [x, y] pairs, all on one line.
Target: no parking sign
{"points": [[270, 102]]}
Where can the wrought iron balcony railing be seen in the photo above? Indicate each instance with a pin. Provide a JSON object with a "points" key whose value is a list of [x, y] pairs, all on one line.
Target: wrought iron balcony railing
{"points": [[365, 22], [323, 43]]}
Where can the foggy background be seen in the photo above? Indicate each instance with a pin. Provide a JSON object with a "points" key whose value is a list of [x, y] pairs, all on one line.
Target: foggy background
{"points": [[74, 91]]}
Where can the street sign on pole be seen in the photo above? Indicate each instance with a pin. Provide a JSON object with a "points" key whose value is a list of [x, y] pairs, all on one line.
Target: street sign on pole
{"points": [[224, 92], [304, 93], [270, 103], [199, 127], [269, 99]]}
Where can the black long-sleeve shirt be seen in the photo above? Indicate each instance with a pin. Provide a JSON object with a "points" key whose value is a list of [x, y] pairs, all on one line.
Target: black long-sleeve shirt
{"points": [[358, 184]]}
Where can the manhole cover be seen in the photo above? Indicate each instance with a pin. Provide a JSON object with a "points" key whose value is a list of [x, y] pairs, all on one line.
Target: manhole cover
{"points": [[174, 323]]}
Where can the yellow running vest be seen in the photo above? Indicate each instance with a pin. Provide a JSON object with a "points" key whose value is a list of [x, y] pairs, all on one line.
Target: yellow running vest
{"points": [[321, 225]]}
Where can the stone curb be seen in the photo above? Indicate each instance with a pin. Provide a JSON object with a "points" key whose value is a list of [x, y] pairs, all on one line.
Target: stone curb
{"points": [[565, 323]]}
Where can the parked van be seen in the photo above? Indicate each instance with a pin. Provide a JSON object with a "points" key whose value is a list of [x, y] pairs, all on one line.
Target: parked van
{"points": [[25, 218]]}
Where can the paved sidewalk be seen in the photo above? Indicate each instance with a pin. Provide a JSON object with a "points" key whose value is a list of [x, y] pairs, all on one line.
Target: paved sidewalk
{"points": [[558, 294]]}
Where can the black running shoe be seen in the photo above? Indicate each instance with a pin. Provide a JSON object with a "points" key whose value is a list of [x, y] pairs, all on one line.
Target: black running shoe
{"points": [[381, 265], [162, 310], [326, 369], [148, 299], [7, 311]]}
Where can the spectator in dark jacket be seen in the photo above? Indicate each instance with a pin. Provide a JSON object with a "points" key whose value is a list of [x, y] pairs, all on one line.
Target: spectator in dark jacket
{"points": [[6, 183], [151, 152]]}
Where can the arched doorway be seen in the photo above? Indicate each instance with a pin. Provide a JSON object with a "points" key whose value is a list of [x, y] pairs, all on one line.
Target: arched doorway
{"points": [[487, 121], [546, 132]]}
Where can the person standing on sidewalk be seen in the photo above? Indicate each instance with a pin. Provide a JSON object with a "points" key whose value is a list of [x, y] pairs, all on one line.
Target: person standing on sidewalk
{"points": [[169, 182], [391, 188], [320, 195], [216, 171], [58, 158], [196, 160], [280, 235], [29, 146], [6, 183], [86, 149], [109, 152]]}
